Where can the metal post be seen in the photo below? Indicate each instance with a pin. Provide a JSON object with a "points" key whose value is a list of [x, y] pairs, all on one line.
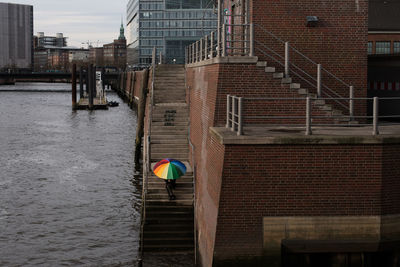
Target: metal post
{"points": [[287, 59], [81, 82], [193, 54], [160, 58], [206, 47], [375, 130], [201, 49], [219, 28], [187, 55], [212, 45], [251, 40], [319, 79], [351, 103], [73, 85], [228, 109], [233, 113], [95, 82], [223, 40], [153, 58], [308, 116], [240, 122], [90, 85], [197, 51]]}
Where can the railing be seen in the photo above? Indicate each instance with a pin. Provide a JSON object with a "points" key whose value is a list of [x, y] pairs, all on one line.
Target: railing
{"points": [[230, 40], [290, 67], [235, 115], [147, 158]]}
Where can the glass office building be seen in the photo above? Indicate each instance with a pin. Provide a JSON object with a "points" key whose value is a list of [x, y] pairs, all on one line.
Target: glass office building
{"points": [[168, 25]]}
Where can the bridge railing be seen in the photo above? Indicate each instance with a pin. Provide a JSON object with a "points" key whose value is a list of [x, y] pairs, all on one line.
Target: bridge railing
{"points": [[237, 118]]}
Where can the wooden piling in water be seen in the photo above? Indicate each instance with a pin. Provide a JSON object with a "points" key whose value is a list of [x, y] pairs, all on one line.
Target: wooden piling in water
{"points": [[91, 84], [81, 82], [73, 85]]}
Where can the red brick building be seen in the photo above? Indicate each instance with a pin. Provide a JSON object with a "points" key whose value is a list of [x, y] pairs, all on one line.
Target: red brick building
{"points": [[114, 54], [257, 195], [384, 52]]}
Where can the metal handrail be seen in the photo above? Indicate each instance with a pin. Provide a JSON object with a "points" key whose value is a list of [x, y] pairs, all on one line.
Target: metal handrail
{"points": [[287, 64], [235, 116]]}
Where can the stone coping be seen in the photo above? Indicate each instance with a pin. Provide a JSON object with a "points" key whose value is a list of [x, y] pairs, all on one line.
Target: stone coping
{"points": [[283, 135], [224, 60]]}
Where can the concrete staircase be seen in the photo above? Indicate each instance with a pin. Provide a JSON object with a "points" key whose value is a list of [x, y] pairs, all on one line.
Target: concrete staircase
{"points": [[169, 225], [321, 104]]}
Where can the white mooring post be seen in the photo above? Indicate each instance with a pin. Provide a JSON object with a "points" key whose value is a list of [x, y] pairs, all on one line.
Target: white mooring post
{"points": [[308, 116], [319, 67], [375, 130], [351, 103], [287, 60], [223, 40], [228, 109]]}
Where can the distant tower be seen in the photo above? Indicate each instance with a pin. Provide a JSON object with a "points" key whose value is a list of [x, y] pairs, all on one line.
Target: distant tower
{"points": [[121, 32]]}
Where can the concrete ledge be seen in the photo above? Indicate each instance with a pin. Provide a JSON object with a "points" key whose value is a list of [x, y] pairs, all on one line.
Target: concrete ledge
{"points": [[295, 135], [224, 60]]}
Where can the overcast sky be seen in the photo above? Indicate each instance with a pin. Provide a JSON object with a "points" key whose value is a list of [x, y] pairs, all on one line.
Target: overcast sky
{"points": [[96, 21]]}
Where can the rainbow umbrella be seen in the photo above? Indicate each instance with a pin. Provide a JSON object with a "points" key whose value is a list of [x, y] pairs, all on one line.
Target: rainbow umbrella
{"points": [[169, 169]]}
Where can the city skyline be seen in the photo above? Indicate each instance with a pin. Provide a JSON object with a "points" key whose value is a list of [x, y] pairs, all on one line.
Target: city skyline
{"points": [[96, 22]]}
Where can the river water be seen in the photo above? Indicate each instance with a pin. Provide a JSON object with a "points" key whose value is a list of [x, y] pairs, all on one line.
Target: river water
{"points": [[68, 195]]}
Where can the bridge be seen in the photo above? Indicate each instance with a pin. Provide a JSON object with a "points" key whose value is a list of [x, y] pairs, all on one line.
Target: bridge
{"points": [[51, 77]]}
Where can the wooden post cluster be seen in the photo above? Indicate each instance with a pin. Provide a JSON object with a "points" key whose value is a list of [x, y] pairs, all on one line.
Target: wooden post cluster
{"points": [[73, 85]]}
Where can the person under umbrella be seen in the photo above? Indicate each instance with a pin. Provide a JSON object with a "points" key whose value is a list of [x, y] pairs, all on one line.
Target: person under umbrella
{"points": [[169, 170]]}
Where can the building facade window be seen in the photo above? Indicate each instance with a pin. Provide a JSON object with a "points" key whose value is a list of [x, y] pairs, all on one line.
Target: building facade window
{"points": [[369, 48], [396, 47], [382, 48]]}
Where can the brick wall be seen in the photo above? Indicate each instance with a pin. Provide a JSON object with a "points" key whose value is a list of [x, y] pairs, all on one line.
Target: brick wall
{"points": [[247, 80], [391, 179], [338, 42], [298, 180], [202, 90]]}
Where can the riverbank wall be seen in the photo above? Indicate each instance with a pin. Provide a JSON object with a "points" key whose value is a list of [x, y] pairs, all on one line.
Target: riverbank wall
{"points": [[7, 81]]}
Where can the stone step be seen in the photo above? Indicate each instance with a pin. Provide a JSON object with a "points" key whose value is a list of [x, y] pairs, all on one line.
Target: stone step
{"points": [[175, 248], [286, 80], [182, 240], [294, 86], [261, 64], [161, 196], [168, 131], [161, 189], [270, 69], [326, 107], [319, 102], [277, 75], [150, 208], [169, 154], [180, 141], [166, 150], [168, 119], [158, 181], [161, 123], [167, 234], [167, 202], [303, 91]]}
